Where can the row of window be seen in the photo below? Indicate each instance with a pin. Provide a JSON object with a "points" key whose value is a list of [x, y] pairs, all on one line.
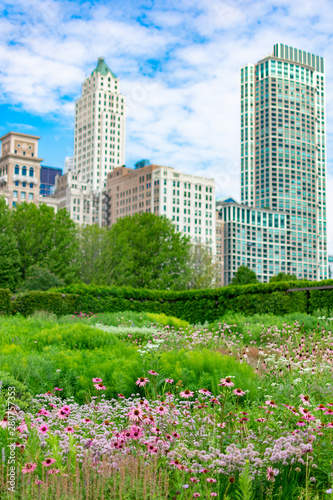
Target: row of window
{"points": [[23, 171]]}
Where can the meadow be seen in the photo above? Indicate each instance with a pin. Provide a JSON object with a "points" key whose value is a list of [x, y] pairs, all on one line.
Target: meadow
{"points": [[144, 406]]}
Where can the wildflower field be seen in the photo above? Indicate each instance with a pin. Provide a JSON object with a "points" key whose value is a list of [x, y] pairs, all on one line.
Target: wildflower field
{"points": [[145, 406]]}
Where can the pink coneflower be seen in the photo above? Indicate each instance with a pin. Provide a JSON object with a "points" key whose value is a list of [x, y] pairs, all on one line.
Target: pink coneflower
{"points": [[97, 380], [261, 420], [48, 462], [38, 481], [86, 420], [301, 423], [69, 429], [196, 495], [304, 411], [161, 410], [271, 473], [213, 494], [135, 414], [152, 372], [66, 409], [309, 417], [43, 428], [215, 401], [169, 380], [53, 471], [100, 387], [271, 403], [204, 471], [142, 381], [4, 422], [211, 480], [321, 407], [226, 382], [305, 399], [194, 480], [186, 394], [221, 425], [22, 427], [330, 424], [43, 412], [239, 392], [121, 396], [57, 389], [62, 414], [29, 467], [206, 392], [329, 412]]}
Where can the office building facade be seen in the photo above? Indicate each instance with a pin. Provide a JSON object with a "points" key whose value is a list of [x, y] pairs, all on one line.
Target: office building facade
{"points": [[99, 136], [253, 237], [283, 150]]}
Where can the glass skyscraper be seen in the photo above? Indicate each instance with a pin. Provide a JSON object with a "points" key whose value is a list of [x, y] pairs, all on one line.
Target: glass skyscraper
{"points": [[283, 151]]}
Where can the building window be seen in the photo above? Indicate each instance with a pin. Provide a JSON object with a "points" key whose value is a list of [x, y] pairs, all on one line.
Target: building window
{"points": [[24, 170], [31, 172], [31, 196], [22, 195], [14, 194], [17, 170], [31, 185], [24, 184], [17, 183]]}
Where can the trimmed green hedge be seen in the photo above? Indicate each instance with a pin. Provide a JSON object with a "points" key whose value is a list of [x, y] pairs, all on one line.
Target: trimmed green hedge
{"points": [[194, 306], [58, 303], [5, 301]]}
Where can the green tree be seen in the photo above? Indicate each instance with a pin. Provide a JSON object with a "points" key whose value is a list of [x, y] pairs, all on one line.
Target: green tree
{"points": [[46, 239], [202, 270], [9, 256], [283, 277], [93, 250], [39, 278], [145, 251], [244, 276]]}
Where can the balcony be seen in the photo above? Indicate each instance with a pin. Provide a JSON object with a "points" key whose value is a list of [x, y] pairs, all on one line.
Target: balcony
{"points": [[4, 178], [25, 178]]}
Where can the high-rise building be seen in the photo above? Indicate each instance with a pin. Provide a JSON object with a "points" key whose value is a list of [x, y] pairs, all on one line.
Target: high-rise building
{"points": [[187, 200], [69, 164], [47, 179], [283, 150], [99, 136]]}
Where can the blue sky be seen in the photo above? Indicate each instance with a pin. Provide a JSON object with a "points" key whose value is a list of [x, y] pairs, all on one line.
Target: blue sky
{"points": [[178, 64]]}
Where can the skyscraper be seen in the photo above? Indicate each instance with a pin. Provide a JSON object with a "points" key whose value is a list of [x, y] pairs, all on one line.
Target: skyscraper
{"points": [[99, 136], [283, 153]]}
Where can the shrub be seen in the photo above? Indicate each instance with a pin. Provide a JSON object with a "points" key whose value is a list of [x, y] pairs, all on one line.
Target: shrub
{"points": [[22, 396]]}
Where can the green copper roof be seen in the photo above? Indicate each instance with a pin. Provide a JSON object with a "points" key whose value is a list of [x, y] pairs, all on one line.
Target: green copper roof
{"points": [[103, 68]]}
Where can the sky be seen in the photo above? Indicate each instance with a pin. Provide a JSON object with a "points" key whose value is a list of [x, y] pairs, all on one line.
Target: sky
{"points": [[178, 64]]}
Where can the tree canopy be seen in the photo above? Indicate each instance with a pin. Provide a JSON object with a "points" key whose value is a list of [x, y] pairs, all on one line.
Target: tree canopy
{"points": [[283, 277], [244, 276], [40, 249]]}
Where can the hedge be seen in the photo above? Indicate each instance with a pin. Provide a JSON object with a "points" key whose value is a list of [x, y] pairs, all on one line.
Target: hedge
{"points": [[58, 303], [194, 306], [5, 301]]}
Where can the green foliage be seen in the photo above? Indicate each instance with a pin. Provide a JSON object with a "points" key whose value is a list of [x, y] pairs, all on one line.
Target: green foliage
{"points": [[46, 239], [5, 301], [39, 278], [244, 276], [145, 251], [283, 277], [22, 396], [204, 368], [78, 336], [9, 255], [171, 321], [245, 490], [58, 303]]}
